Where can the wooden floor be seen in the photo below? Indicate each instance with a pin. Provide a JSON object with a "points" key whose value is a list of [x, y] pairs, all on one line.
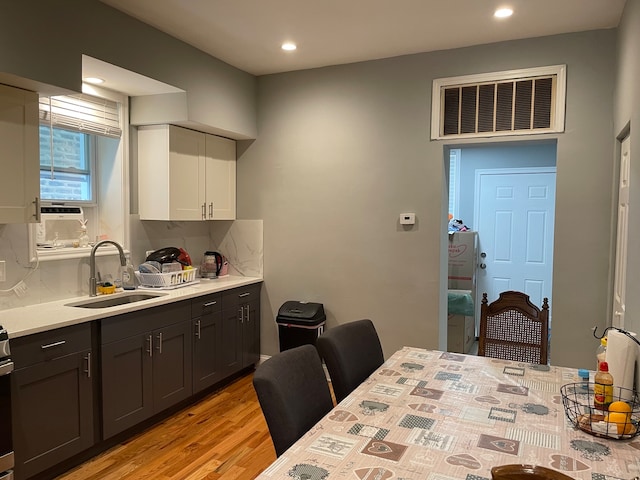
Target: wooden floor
{"points": [[224, 436]]}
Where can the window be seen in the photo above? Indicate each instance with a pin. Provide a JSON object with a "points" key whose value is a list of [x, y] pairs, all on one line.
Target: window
{"points": [[83, 163], [69, 125], [454, 182], [66, 165]]}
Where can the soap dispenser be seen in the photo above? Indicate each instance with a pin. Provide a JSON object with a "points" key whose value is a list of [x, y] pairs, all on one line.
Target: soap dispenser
{"points": [[128, 277]]}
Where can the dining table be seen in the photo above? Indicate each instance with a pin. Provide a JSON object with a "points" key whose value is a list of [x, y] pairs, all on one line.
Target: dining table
{"points": [[428, 414]]}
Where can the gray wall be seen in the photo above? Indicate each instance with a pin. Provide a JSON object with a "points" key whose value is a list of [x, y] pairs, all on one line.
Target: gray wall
{"points": [[44, 41], [626, 119], [538, 154], [627, 111], [342, 151]]}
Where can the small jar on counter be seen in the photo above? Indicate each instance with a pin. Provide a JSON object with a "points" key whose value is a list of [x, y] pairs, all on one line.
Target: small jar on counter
{"points": [[583, 373]]}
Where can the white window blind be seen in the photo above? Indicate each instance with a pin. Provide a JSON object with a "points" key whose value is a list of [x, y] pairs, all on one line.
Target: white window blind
{"points": [[82, 113]]}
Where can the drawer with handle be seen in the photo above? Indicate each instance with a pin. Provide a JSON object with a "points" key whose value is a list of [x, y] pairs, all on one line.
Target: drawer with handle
{"points": [[240, 296], [45, 346], [207, 304]]}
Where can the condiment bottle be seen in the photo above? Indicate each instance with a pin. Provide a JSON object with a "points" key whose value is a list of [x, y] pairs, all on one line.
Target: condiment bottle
{"points": [[601, 352], [583, 373], [603, 387]]}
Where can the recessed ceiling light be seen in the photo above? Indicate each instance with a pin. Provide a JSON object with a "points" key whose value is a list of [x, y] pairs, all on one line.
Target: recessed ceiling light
{"points": [[288, 46], [503, 13], [94, 80]]}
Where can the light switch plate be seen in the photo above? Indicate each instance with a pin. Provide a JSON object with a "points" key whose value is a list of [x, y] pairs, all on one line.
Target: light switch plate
{"points": [[3, 271]]}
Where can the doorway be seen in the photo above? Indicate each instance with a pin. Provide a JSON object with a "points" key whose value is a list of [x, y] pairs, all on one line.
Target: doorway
{"points": [[463, 162]]}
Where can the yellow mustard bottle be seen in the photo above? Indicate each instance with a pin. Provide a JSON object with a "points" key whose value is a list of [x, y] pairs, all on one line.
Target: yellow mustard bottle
{"points": [[603, 387], [601, 352]]}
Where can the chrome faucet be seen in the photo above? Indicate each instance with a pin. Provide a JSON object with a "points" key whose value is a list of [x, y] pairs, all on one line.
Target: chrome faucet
{"points": [[92, 263]]}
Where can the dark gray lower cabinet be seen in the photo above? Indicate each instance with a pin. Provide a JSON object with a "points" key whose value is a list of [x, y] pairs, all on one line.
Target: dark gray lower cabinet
{"points": [[146, 364], [232, 341], [251, 330], [150, 360], [206, 313], [126, 383], [240, 328], [52, 398]]}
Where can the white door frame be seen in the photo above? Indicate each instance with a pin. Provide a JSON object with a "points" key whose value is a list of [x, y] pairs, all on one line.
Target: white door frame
{"points": [[622, 234]]}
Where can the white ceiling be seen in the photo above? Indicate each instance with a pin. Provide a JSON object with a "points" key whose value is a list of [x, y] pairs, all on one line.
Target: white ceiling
{"points": [[248, 33]]}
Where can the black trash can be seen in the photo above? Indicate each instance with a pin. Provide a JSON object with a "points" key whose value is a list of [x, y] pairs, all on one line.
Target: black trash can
{"points": [[299, 323]]}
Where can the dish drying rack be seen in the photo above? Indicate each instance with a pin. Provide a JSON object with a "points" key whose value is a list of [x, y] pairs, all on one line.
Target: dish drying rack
{"points": [[169, 280]]}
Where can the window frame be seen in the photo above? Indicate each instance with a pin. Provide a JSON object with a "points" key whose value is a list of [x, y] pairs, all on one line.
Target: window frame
{"points": [[116, 191]]}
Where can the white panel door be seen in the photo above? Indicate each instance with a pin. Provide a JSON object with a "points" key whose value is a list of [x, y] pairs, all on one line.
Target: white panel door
{"points": [[620, 280], [515, 218]]}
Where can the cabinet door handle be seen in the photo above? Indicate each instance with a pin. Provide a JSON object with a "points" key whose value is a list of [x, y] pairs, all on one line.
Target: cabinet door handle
{"points": [[54, 344], [245, 294], [7, 475], [204, 211], [37, 214], [247, 310], [150, 341], [88, 370], [210, 304], [5, 369], [198, 329], [160, 342], [211, 210], [241, 314]]}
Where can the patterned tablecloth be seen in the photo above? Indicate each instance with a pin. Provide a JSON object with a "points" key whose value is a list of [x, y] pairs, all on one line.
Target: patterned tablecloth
{"points": [[438, 416]]}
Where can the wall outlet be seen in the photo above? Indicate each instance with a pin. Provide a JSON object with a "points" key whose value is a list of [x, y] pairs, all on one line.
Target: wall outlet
{"points": [[3, 271]]}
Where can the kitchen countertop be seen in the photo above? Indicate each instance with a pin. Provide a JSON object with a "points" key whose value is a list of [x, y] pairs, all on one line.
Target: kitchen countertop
{"points": [[42, 317]]}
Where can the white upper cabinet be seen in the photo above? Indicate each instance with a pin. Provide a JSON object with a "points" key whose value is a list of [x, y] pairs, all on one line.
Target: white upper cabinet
{"points": [[20, 155], [220, 156], [185, 175]]}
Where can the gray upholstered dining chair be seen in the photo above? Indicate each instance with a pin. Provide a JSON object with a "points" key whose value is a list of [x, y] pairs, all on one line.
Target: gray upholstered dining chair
{"points": [[351, 352], [293, 393]]}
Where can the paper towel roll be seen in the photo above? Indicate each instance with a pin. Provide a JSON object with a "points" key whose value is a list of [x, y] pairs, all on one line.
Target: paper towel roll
{"points": [[621, 357]]}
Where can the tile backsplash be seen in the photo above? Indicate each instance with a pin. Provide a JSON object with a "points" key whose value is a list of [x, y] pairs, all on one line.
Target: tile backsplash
{"points": [[241, 241]]}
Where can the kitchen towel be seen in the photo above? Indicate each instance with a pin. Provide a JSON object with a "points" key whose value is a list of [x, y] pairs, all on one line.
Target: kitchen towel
{"points": [[622, 353]]}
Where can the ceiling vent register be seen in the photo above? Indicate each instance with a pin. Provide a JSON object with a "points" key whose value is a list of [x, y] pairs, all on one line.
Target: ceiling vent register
{"points": [[504, 103]]}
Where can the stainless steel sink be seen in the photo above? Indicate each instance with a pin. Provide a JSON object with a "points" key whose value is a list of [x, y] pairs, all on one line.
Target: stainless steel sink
{"points": [[115, 300]]}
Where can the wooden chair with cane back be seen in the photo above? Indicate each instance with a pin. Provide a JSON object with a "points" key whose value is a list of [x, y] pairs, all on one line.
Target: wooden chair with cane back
{"points": [[513, 328]]}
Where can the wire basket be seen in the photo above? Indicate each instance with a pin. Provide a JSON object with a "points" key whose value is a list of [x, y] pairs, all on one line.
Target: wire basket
{"points": [[622, 422], [167, 280]]}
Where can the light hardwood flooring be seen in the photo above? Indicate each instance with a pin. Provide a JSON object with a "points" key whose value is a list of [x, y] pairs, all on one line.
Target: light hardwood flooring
{"points": [[224, 436]]}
